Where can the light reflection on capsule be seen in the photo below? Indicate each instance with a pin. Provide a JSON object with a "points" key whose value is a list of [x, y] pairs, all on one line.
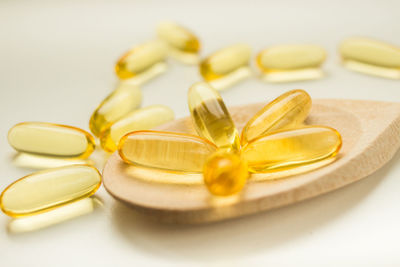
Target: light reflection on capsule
{"points": [[54, 217]]}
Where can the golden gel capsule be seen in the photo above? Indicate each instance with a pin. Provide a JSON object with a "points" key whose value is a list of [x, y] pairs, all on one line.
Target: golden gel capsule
{"points": [[225, 173], [141, 119], [178, 37], [287, 111], [227, 66], [285, 63], [45, 190], [165, 150], [290, 57], [51, 140], [140, 59], [286, 149], [124, 99], [211, 117], [371, 57]]}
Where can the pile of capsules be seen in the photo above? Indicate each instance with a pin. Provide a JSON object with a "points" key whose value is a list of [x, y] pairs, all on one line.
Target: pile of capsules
{"points": [[274, 139]]}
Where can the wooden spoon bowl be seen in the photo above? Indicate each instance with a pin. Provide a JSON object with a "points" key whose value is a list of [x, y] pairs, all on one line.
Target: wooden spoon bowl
{"points": [[371, 136]]}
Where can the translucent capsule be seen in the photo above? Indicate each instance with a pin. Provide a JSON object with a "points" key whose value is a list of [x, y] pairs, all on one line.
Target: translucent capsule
{"points": [[165, 150], [124, 99], [371, 57], [141, 119], [51, 140], [287, 111], [286, 149], [211, 117], [45, 190], [225, 173], [140, 59], [178, 37], [227, 66], [291, 62]]}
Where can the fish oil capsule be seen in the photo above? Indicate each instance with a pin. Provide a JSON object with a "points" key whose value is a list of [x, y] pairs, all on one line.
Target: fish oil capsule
{"points": [[51, 140], [371, 57], [211, 117], [140, 59], [287, 111], [286, 149], [141, 119], [124, 99], [229, 64], [45, 190], [225, 173], [291, 62], [178, 37], [165, 150]]}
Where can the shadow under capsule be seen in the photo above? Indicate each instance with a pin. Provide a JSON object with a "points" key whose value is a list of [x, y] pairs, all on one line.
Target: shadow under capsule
{"points": [[368, 69], [292, 75], [55, 216], [281, 174], [147, 75], [162, 176], [38, 162], [231, 79], [184, 57]]}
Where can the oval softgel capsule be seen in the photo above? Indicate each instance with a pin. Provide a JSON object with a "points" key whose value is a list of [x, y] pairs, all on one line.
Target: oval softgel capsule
{"points": [[51, 140], [45, 190], [290, 57], [126, 98], [225, 61], [178, 37], [141, 119], [287, 149], [140, 59], [371, 57], [165, 150], [211, 118], [286, 111], [225, 173]]}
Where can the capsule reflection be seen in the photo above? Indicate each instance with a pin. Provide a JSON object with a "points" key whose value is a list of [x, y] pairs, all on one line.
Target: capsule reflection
{"points": [[53, 217]]}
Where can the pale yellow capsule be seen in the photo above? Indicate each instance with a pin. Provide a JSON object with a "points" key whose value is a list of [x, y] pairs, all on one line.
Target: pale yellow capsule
{"points": [[141, 119], [165, 150], [286, 111], [211, 117], [45, 190], [371, 57], [290, 57], [51, 140], [178, 37], [140, 59], [287, 149], [126, 98], [225, 61]]}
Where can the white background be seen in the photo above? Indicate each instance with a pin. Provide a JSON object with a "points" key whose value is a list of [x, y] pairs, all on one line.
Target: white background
{"points": [[56, 65]]}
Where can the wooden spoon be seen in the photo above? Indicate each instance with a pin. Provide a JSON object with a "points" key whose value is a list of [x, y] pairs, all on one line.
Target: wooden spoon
{"points": [[371, 136]]}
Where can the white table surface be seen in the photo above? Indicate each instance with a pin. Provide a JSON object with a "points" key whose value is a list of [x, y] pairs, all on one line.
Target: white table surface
{"points": [[56, 64]]}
